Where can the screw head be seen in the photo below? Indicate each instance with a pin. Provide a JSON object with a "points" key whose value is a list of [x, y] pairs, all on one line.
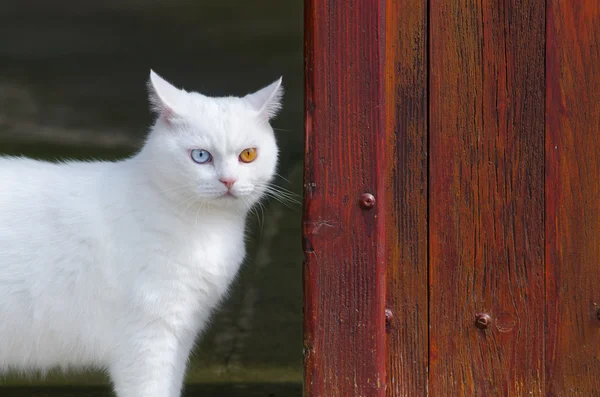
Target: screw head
{"points": [[482, 320], [367, 201]]}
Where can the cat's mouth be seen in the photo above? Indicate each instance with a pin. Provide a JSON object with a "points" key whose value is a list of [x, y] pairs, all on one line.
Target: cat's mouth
{"points": [[229, 195]]}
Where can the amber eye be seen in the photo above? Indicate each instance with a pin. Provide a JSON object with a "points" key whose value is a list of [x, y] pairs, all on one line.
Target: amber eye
{"points": [[248, 155]]}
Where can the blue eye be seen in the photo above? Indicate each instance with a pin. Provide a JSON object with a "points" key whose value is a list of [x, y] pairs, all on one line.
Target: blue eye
{"points": [[200, 156]]}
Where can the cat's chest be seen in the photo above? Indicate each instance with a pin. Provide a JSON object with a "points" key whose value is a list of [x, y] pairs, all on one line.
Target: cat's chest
{"points": [[218, 255], [212, 259], [183, 280], [180, 268]]}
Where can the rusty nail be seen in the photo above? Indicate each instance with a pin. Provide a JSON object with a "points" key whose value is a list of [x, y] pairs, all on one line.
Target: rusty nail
{"points": [[482, 320], [367, 201]]}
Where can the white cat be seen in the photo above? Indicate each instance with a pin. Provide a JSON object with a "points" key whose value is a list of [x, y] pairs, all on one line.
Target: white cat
{"points": [[118, 265]]}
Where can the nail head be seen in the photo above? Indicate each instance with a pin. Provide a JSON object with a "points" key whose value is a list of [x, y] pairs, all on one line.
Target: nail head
{"points": [[482, 320], [367, 201], [388, 320], [388, 314]]}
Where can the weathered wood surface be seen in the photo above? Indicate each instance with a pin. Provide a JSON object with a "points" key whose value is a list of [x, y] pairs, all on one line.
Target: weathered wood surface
{"points": [[486, 202], [476, 124], [406, 196], [573, 198], [344, 339]]}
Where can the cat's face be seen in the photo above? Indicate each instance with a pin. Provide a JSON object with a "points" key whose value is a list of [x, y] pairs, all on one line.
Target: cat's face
{"points": [[213, 151]]}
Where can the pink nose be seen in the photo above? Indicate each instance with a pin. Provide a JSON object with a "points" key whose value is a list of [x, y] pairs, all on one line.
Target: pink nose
{"points": [[228, 182]]}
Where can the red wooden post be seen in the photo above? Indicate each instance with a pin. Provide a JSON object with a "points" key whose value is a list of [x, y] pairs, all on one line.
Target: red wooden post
{"points": [[486, 262], [573, 198], [486, 200], [406, 196], [344, 233]]}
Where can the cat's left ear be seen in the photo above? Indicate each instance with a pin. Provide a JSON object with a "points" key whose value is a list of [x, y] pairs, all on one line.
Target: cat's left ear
{"points": [[267, 101], [163, 96]]}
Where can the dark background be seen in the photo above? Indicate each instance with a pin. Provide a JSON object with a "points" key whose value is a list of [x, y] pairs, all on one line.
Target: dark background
{"points": [[73, 84]]}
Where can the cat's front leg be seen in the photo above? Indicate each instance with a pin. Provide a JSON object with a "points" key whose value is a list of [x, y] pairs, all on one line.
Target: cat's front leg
{"points": [[185, 348], [150, 366]]}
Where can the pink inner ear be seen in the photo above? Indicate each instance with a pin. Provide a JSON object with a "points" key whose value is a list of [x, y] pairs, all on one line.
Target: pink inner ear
{"points": [[167, 114]]}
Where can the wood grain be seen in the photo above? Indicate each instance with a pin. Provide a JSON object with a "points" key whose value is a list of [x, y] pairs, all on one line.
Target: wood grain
{"points": [[487, 197], [572, 198], [344, 269], [406, 196]]}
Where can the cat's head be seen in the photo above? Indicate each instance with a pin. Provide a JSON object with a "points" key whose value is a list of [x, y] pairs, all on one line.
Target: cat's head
{"points": [[218, 151]]}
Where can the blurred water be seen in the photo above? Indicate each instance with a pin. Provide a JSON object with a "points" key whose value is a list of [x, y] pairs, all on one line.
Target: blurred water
{"points": [[72, 84]]}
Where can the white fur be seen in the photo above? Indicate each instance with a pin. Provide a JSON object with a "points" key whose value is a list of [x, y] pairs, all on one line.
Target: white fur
{"points": [[118, 265]]}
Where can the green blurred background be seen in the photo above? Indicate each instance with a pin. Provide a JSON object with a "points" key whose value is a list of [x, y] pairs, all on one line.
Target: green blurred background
{"points": [[73, 84]]}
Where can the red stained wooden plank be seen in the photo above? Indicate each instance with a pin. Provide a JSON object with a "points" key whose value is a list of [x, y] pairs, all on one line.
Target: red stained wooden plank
{"points": [[344, 273], [406, 196], [572, 191], [487, 197]]}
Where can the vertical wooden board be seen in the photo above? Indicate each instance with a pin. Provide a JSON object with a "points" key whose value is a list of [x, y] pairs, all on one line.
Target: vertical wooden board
{"points": [[572, 198], [486, 197], [406, 196], [344, 273]]}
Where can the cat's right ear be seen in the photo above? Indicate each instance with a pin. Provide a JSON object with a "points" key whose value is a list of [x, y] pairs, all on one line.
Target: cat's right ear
{"points": [[163, 96], [267, 101]]}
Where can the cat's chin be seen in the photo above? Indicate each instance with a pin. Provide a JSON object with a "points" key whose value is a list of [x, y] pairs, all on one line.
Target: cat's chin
{"points": [[235, 202], [230, 200]]}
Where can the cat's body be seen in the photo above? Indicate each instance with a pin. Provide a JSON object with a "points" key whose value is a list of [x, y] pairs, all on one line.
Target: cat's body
{"points": [[119, 265]]}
